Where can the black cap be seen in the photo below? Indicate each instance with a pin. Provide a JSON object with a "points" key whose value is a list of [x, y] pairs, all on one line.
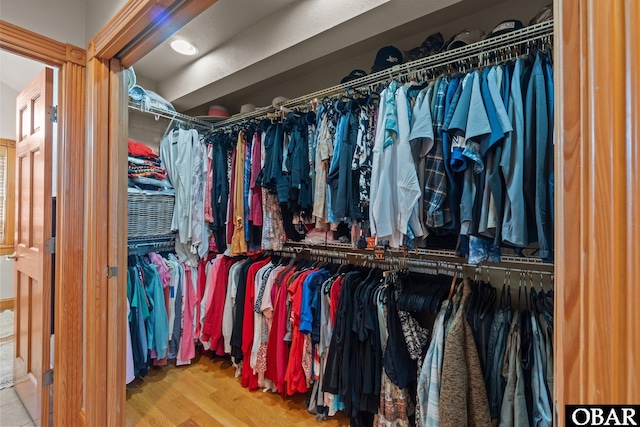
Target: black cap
{"points": [[387, 57], [505, 27], [432, 45], [354, 74], [466, 37]]}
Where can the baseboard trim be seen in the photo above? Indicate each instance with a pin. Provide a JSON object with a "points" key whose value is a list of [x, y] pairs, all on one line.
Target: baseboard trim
{"points": [[6, 304]]}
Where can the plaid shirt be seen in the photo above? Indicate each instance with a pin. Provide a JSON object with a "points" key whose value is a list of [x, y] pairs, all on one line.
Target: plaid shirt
{"points": [[435, 189]]}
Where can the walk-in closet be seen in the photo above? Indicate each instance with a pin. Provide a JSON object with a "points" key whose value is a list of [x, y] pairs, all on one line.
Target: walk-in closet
{"points": [[303, 212], [376, 251]]}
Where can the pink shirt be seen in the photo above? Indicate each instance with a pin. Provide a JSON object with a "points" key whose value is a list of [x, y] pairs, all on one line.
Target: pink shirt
{"points": [[187, 350], [208, 209], [255, 203]]}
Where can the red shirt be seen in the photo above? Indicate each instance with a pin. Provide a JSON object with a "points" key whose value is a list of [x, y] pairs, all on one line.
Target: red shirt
{"points": [[277, 349], [249, 379], [334, 297], [294, 376], [138, 149], [213, 321], [202, 281]]}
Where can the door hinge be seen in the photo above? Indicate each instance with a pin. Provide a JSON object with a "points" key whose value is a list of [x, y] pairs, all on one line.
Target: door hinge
{"points": [[47, 377], [112, 272], [54, 113], [50, 245]]}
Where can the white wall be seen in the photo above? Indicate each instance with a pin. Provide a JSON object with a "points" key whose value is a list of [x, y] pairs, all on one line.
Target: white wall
{"points": [[99, 12], [68, 21], [7, 111], [146, 83], [61, 20], [6, 278], [8, 131], [145, 128]]}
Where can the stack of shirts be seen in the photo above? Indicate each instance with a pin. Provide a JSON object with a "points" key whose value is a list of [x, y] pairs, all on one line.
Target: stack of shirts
{"points": [[145, 168]]}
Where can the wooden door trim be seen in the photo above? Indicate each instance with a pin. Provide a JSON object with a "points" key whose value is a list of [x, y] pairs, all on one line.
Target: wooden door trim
{"points": [[117, 227], [598, 198], [132, 33], [96, 234], [141, 25], [6, 304], [69, 285], [70, 61], [37, 47]]}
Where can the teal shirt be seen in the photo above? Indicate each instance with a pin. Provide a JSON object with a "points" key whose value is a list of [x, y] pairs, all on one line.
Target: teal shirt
{"points": [[157, 323]]}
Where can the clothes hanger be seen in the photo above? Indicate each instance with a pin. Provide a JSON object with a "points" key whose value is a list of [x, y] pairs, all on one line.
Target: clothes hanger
{"points": [[343, 269], [452, 287], [490, 301], [505, 294], [527, 298], [488, 296]]}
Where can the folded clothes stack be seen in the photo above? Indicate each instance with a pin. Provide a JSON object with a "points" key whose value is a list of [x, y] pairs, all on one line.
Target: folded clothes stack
{"points": [[145, 168]]}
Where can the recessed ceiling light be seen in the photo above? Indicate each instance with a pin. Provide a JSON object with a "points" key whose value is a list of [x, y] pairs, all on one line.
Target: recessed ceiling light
{"points": [[184, 47]]}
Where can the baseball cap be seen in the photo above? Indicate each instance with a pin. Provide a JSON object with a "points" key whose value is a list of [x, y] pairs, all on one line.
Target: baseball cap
{"points": [[386, 57], [432, 45], [354, 74], [466, 37], [544, 14], [506, 27]]}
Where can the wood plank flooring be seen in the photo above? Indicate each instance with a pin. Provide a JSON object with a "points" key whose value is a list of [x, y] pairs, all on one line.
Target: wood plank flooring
{"points": [[206, 393]]}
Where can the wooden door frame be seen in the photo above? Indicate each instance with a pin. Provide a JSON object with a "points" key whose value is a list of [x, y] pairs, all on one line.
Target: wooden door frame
{"points": [[70, 61], [134, 31], [597, 96]]}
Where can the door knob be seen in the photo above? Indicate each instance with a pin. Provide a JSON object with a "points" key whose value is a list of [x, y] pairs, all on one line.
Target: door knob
{"points": [[13, 256]]}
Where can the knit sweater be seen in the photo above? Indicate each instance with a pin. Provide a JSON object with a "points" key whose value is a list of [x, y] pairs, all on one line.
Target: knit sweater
{"points": [[463, 397]]}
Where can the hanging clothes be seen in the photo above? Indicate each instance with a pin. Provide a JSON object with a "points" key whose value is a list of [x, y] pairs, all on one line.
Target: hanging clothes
{"points": [[255, 220], [384, 192], [184, 155], [238, 239], [429, 379], [462, 384], [219, 190]]}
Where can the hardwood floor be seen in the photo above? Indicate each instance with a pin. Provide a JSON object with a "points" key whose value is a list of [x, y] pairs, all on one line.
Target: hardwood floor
{"points": [[207, 393]]}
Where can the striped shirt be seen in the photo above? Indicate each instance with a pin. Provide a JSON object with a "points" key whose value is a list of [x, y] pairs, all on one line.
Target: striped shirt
{"points": [[428, 408]]}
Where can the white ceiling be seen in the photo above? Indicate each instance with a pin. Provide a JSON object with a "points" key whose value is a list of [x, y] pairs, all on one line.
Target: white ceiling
{"points": [[17, 71], [221, 22], [311, 44], [251, 51]]}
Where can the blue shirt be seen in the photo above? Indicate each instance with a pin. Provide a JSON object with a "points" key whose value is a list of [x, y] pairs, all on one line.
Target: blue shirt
{"points": [[310, 300]]}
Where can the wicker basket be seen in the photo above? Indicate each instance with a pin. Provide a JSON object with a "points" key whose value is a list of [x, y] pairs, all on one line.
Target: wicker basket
{"points": [[149, 215]]}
